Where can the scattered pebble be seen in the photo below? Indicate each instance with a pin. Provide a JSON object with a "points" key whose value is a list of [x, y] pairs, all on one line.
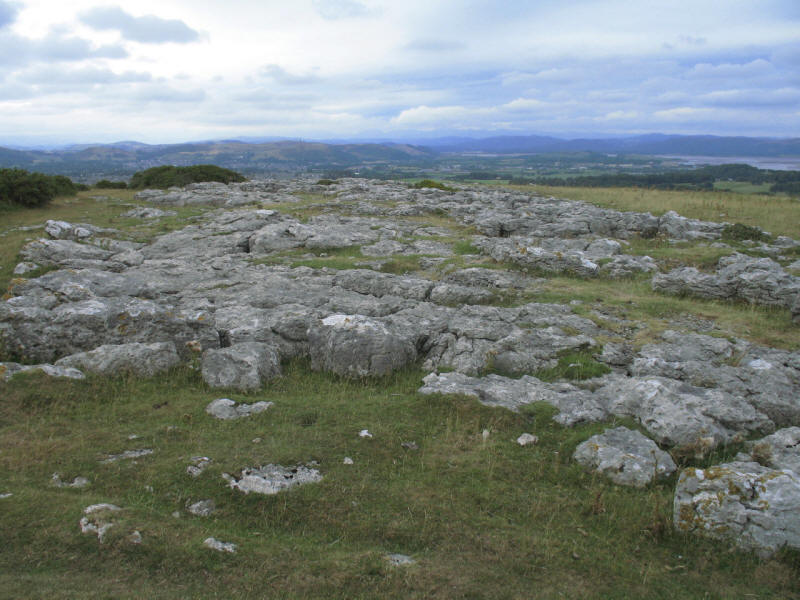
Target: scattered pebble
{"points": [[410, 445], [257, 440], [485, 434], [78, 482], [135, 538], [203, 508], [126, 455], [177, 514], [219, 546], [133, 436], [226, 409], [527, 439], [200, 465], [347, 460], [400, 560], [6, 495], [364, 433]]}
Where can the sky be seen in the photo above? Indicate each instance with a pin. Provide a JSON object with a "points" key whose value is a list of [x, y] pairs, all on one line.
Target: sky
{"points": [[166, 71]]}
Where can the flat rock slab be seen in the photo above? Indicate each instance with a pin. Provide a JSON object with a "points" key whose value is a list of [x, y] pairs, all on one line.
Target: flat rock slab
{"points": [[219, 546], [626, 457], [227, 409], [358, 346], [271, 479], [244, 366], [751, 506], [145, 360]]}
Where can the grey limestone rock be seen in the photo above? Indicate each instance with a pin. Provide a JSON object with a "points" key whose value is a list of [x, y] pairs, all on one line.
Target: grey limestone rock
{"points": [[202, 508], [127, 455], [227, 409], [62, 230], [215, 544], [271, 479], [98, 519], [244, 366], [62, 252], [625, 456], [358, 346], [9, 369], [145, 360], [751, 506], [781, 450]]}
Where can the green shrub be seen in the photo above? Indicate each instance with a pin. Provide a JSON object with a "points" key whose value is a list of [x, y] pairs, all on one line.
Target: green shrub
{"points": [[21, 188], [105, 184], [430, 183], [169, 176], [740, 231], [326, 182]]}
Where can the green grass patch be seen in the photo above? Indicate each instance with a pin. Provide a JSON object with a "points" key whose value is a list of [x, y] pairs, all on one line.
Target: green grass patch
{"points": [[431, 184], [483, 517], [574, 366]]}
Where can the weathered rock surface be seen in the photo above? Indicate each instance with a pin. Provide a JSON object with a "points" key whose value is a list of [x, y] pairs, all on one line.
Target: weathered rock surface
{"points": [[9, 369], [220, 546], [780, 451], [756, 280], [749, 505], [244, 366], [625, 456], [357, 346], [98, 519], [271, 479], [145, 360]]}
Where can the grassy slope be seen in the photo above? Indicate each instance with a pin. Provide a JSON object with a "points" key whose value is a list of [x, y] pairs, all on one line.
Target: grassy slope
{"points": [[484, 519]]}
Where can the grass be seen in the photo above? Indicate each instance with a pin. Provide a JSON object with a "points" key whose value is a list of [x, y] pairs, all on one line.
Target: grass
{"points": [[780, 215], [483, 518]]}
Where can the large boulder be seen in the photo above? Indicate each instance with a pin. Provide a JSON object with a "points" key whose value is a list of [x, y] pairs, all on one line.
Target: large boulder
{"points": [[358, 346], [625, 456], [145, 360], [244, 366], [752, 506]]}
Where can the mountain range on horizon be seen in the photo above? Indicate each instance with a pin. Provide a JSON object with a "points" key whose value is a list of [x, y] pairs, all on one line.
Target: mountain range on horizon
{"points": [[270, 154]]}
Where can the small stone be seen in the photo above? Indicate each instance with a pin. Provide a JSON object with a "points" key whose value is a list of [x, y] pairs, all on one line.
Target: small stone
{"points": [[135, 538], [6, 495], [219, 546], [485, 434], [410, 445], [347, 460], [203, 508], [177, 514], [200, 465], [400, 560], [271, 479], [527, 439], [133, 436], [78, 482], [126, 455], [257, 440], [226, 409], [364, 433]]}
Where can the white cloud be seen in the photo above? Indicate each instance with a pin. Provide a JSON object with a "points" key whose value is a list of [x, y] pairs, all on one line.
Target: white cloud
{"points": [[148, 29]]}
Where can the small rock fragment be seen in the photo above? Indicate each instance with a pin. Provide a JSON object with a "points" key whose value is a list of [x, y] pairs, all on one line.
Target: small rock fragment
{"points": [[126, 455], [271, 479], [135, 538], [200, 465], [96, 519], [364, 433], [203, 508], [347, 460], [6, 495], [400, 560], [219, 546], [527, 439], [78, 482], [410, 445], [227, 409]]}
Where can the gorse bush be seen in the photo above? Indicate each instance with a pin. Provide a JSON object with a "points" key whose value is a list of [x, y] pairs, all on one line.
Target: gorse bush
{"points": [[430, 183], [740, 231], [169, 176], [21, 188]]}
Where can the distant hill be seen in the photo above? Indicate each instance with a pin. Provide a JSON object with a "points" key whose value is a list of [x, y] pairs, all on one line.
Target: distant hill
{"points": [[124, 158], [94, 161], [656, 144]]}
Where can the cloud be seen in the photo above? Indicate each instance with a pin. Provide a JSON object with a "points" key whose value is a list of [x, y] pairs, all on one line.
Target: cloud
{"points": [[280, 75], [8, 13], [54, 47], [434, 45], [340, 9], [50, 77], [162, 93], [148, 29]]}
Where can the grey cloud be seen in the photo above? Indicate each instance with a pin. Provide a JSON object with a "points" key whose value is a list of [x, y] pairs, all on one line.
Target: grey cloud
{"points": [[787, 97], [147, 29], [8, 13], [281, 75], [340, 9]]}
